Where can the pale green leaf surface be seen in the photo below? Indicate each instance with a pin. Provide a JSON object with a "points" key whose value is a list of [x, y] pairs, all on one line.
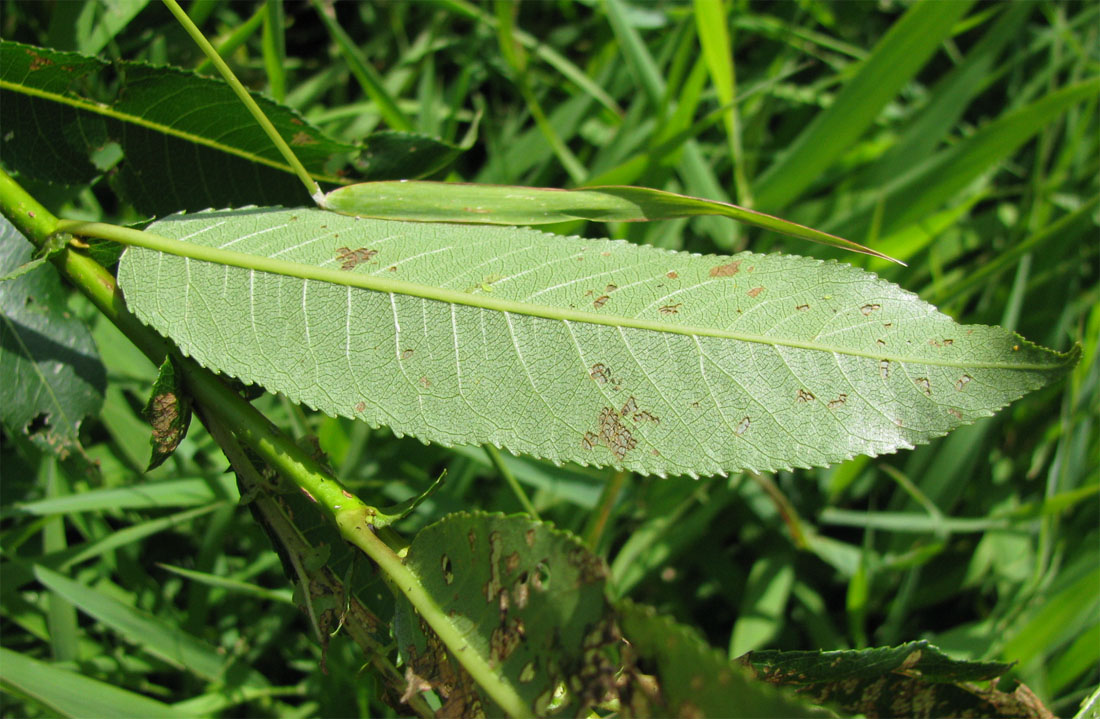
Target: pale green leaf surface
{"points": [[593, 351]]}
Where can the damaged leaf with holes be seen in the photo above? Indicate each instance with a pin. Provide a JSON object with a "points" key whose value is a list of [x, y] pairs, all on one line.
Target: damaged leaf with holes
{"points": [[678, 674], [528, 599], [51, 376], [593, 351], [914, 679]]}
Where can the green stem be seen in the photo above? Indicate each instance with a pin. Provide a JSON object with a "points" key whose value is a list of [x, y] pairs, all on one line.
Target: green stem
{"points": [[311, 185], [598, 521], [498, 463]]}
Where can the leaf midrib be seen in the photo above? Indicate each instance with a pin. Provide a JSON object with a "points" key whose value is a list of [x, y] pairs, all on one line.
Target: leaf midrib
{"points": [[214, 255], [106, 111]]}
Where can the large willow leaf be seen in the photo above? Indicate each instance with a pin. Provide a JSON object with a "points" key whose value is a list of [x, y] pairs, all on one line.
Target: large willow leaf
{"points": [[594, 351]]}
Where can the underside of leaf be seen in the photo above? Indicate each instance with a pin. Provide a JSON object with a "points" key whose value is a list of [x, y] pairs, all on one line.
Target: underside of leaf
{"points": [[592, 351]]}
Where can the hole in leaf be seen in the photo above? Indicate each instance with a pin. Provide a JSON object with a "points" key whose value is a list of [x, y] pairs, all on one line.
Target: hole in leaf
{"points": [[541, 578]]}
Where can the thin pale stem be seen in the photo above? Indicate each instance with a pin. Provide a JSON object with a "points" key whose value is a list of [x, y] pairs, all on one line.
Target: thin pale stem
{"points": [[598, 521], [284, 149], [510, 479]]}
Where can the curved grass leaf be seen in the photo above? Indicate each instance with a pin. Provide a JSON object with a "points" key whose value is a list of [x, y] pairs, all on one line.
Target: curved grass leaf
{"points": [[513, 205], [529, 601], [594, 351], [69, 694], [52, 374], [154, 635]]}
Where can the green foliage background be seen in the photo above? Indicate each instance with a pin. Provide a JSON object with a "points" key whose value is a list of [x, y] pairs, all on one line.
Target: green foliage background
{"points": [[984, 543]]}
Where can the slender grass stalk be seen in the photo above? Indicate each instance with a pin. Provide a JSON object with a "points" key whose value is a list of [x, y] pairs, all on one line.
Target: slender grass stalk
{"points": [[284, 149], [502, 468]]}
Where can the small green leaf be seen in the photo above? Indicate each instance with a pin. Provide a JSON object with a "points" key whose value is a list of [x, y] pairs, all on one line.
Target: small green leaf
{"points": [[529, 601], [512, 205], [914, 679], [693, 678], [389, 515], [169, 411]]}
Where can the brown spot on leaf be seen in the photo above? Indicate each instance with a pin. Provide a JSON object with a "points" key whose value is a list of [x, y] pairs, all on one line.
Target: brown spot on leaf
{"points": [[37, 61], [755, 291], [963, 381], [425, 382], [360, 406], [726, 270], [925, 385], [350, 258], [954, 413], [802, 308], [840, 400], [613, 434], [610, 288], [671, 309], [529, 537], [884, 368], [407, 353], [600, 301], [868, 309], [472, 539], [602, 374], [742, 426], [504, 640], [448, 570], [805, 396], [672, 275], [392, 268], [511, 561]]}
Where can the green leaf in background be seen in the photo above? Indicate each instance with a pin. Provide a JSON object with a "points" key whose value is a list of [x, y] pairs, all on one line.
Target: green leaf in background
{"points": [[529, 601], [52, 375], [915, 679], [694, 679], [58, 128], [68, 694], [593, 351], [896, 59], [511, 205]]}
